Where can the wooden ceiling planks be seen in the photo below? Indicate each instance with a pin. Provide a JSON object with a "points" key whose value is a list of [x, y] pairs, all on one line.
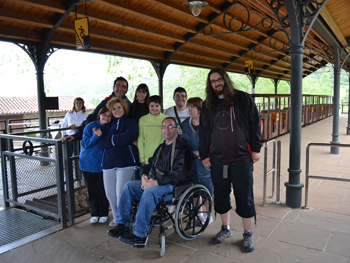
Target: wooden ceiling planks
{"points": [[166, 29]]}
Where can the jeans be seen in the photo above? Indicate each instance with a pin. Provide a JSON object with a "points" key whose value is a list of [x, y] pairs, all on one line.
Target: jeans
{"points": [[149, 199]]}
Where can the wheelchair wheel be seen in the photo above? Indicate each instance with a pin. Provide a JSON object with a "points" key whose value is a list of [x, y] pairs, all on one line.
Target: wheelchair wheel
{"points": [[188, 224], [162, 244]]}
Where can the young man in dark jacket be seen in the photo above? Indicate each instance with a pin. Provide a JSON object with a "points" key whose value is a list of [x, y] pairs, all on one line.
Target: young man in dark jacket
{"points": [[120, 88], [229, 135], [159, 178]]}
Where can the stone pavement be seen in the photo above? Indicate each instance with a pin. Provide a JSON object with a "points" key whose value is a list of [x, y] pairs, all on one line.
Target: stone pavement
{"points": [[282, 234]]}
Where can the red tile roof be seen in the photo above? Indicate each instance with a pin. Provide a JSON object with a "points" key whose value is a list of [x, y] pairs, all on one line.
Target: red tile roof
{"points": [[25, 105]]}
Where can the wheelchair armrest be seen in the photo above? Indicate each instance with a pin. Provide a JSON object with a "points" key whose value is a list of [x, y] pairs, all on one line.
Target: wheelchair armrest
{"points": [[181, 187]]}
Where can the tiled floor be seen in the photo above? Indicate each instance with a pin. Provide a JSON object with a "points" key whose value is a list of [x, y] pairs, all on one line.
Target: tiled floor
{"points": [[282, 234]]}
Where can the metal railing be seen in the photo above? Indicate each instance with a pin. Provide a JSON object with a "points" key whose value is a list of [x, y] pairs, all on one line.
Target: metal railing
{"points": [[34, 182], [273, 170], [42, 173], [344, 107], [307, 170], [51, 119]]}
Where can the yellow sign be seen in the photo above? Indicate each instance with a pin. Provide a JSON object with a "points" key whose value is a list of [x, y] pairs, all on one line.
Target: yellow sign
{"points": [[82, 34], [248, 67], [277, 117]]}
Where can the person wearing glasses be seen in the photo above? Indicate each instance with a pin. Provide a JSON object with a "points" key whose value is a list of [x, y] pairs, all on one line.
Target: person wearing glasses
{"points": [[229, 136], [139, 106], [120, 88], [180, 111], [159, 178]]}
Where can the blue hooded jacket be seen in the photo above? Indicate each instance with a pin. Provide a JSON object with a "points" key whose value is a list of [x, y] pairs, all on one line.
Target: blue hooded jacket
{"points": [[90, 159], [199, 170], [117, 141]]}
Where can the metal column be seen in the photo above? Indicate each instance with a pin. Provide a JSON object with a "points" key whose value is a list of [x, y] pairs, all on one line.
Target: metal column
{"points": [[337, 70], [160, 67], [293, 186], [348, 128], [300, 21]]}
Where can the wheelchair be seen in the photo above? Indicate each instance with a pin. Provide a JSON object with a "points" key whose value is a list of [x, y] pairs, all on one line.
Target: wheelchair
{"points": [[182, 210]]}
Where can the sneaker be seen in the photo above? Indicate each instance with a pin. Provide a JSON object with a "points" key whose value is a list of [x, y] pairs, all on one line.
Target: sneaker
{"points": [[103, 219], [118, 230], [222, 235], [203, 218], [112, 223], [94, 219], [248, 242], [134, 241]]}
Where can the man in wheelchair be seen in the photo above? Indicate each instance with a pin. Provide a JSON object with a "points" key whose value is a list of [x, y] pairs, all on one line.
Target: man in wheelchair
{"points": [[170, 163]]}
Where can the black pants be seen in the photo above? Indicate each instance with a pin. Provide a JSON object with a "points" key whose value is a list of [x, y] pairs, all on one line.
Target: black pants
{"points": [[240, 176], [97, 196]]}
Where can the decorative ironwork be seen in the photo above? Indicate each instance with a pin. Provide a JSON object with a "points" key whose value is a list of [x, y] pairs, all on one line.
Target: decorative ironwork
{"points": [[237, 24], [34, 52], [305, 13]]}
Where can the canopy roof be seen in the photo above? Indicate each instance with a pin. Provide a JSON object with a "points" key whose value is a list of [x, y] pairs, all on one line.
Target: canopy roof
{"points": [[225, 34]]}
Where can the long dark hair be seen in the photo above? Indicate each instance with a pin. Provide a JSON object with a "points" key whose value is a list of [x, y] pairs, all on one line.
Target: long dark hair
{"points": [[143, 87], [229, 90]]}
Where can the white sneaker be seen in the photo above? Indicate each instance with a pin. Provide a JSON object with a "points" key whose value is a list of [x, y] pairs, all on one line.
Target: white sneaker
{"points": [[103, 219], [112, 223], [203, 218], [94, 219]]}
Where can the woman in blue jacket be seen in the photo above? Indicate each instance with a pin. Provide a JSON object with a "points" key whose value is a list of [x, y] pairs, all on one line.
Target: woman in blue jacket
{"points": [[201, 174], [120, 158], [90, 162]]}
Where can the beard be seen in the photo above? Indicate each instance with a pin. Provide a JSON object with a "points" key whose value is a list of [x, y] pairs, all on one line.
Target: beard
{"points": [[219, 92]]}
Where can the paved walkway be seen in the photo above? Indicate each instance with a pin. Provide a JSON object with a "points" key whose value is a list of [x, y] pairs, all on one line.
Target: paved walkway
{"points": [[319, 234]]}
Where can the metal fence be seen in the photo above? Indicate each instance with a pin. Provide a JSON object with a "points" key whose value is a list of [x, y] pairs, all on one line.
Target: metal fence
{"points": [[307, 171], [42, 175]]}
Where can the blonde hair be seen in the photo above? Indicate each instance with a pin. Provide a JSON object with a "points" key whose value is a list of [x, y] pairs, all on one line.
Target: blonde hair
{"points": [[121, 102]]}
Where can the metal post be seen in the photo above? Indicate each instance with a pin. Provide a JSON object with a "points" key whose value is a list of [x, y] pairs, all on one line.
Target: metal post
{"points": [[69, 181], [265, 176], [337, 71], [278, 187], [274, 169], [266, 173], [307, 177], [159, 68], [348, 128], [60, 184]]}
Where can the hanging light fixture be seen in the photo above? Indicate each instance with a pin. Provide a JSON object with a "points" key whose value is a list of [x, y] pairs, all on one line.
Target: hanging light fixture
{"points": [[195, 6]]}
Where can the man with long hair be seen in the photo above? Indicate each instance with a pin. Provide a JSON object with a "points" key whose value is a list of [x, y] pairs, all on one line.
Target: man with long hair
{"points": [[229, 135]]}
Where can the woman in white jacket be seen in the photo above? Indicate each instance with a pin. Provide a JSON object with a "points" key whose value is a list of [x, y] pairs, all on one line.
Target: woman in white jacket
{"points": [[74, 117]]}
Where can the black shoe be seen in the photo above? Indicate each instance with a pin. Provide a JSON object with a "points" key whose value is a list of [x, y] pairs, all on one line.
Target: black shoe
{"points": [[118, 230], [134, 241]]}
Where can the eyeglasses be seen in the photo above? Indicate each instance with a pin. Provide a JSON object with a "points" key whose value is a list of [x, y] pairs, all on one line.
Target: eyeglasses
{"points": [[180, 96], [192, 107], [168, 127], [214, 81], [120, 86]]}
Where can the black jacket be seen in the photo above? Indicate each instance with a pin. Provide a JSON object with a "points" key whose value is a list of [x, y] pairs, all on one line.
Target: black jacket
{"points": [[182, 165], [247, 116]]}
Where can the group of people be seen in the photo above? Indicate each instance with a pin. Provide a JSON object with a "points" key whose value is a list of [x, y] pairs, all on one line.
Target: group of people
{"points": [[132, 151]]}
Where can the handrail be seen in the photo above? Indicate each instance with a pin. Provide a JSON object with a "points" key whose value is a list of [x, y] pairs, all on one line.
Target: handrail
{"points": [[307, 171]]}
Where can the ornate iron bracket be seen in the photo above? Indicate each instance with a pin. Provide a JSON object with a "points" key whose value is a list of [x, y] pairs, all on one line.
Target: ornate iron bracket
{"points": [[237, 24], [297, 16], [35, 52]]}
